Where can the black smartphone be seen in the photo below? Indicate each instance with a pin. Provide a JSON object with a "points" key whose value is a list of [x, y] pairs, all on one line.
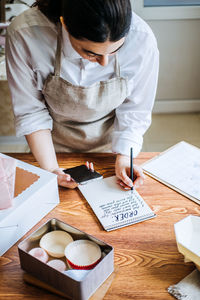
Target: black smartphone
{"points": [[81, 174]]}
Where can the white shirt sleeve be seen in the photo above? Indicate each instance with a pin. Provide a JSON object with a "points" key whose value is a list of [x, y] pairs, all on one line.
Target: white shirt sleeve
{"points": [[30, 111], [133, 116]]}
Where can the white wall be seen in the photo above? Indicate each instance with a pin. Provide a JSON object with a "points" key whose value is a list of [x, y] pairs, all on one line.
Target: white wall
{"points": [[179, 45]]}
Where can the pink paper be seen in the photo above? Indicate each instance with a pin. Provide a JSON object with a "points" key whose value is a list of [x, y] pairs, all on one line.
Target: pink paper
{"points": [[7, 181]]}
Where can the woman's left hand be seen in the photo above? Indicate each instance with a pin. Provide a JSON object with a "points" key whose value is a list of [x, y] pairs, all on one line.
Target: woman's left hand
{"points": [[122, 171]]}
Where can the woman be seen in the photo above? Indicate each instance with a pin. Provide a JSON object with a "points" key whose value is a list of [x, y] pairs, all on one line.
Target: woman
{"points": [[83, 78]]}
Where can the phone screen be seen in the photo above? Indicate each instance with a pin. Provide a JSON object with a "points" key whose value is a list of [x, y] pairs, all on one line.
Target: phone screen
{"points": [[81, 174]]}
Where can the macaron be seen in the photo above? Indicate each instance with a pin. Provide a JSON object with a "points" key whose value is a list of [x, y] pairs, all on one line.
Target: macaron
{"points": [[55, 242], [39, 233], [57, 264], [40, 254], [83, 254]]}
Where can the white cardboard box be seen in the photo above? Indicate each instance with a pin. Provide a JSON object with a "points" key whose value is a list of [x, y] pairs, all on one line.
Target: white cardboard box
{"points": [[187, 233], [29, 206]]}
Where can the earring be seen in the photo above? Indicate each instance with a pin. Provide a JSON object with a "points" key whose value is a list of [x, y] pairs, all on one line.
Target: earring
{"points": [[61, 20]]}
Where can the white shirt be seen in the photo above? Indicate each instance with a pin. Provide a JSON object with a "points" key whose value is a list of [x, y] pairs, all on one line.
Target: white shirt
{"points": [[30, 55]]}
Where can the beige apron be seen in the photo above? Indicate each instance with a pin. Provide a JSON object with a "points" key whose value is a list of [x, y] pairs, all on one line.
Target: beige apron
{"points": [[83, 117]]}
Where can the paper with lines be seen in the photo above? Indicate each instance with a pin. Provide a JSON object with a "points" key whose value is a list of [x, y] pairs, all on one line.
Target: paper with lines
{"points": [[179, 168], [113, 206]]}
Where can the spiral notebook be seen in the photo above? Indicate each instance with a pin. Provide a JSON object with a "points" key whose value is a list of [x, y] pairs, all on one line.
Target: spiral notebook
{"points": [[114, 207]]}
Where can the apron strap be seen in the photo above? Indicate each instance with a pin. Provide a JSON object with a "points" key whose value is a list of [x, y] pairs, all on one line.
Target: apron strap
{"points": [[57, 64], [117, 66]]}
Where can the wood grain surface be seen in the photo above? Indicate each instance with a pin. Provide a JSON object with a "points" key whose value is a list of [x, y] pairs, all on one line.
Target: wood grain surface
{"points": [[145, 253]]}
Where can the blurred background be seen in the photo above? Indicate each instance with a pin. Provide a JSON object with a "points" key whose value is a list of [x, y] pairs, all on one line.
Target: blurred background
{"points": [[176, 114]]}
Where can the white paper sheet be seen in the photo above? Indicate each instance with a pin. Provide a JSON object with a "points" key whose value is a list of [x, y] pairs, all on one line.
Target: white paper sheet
{"points": [[114, 207], [178, 167]]}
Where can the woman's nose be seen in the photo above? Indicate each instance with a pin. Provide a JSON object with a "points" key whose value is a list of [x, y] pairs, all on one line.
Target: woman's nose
{"points": [[103, 60]]}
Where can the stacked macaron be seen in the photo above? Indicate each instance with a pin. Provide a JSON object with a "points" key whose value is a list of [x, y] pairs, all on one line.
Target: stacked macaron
{"points": [[55, 245], [40, 254], [55, 242], [51, 244]]}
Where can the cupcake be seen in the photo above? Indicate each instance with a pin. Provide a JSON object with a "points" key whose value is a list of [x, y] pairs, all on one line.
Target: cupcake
{"points": [[82, 254]]}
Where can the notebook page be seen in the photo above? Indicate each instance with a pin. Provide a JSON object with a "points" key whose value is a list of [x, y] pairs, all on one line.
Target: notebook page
{"points": [[113, 206], [179, 167]]}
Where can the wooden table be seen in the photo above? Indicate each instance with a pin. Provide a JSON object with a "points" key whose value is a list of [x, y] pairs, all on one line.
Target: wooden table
{"points": [[145, 253]]}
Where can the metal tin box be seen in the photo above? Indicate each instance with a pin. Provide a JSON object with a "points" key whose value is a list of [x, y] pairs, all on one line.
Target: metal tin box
{"points": [[74, 289]]}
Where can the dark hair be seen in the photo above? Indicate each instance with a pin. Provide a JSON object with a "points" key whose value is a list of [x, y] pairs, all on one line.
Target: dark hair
{"points": [[94, 20]]}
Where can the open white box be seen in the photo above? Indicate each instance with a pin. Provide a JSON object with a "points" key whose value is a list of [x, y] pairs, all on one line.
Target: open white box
{"points": [[37, 195], [187, 233]]}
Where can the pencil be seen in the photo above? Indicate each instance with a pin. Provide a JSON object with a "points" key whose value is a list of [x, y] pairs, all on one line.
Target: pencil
{"points": [[131, 165]]}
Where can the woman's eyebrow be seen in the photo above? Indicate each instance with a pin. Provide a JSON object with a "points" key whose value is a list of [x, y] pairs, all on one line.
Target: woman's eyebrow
{"points": [[88, 51]]}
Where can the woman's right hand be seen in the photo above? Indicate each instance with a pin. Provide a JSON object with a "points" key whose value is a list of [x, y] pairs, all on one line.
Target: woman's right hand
{"points": [[64, 180]]}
